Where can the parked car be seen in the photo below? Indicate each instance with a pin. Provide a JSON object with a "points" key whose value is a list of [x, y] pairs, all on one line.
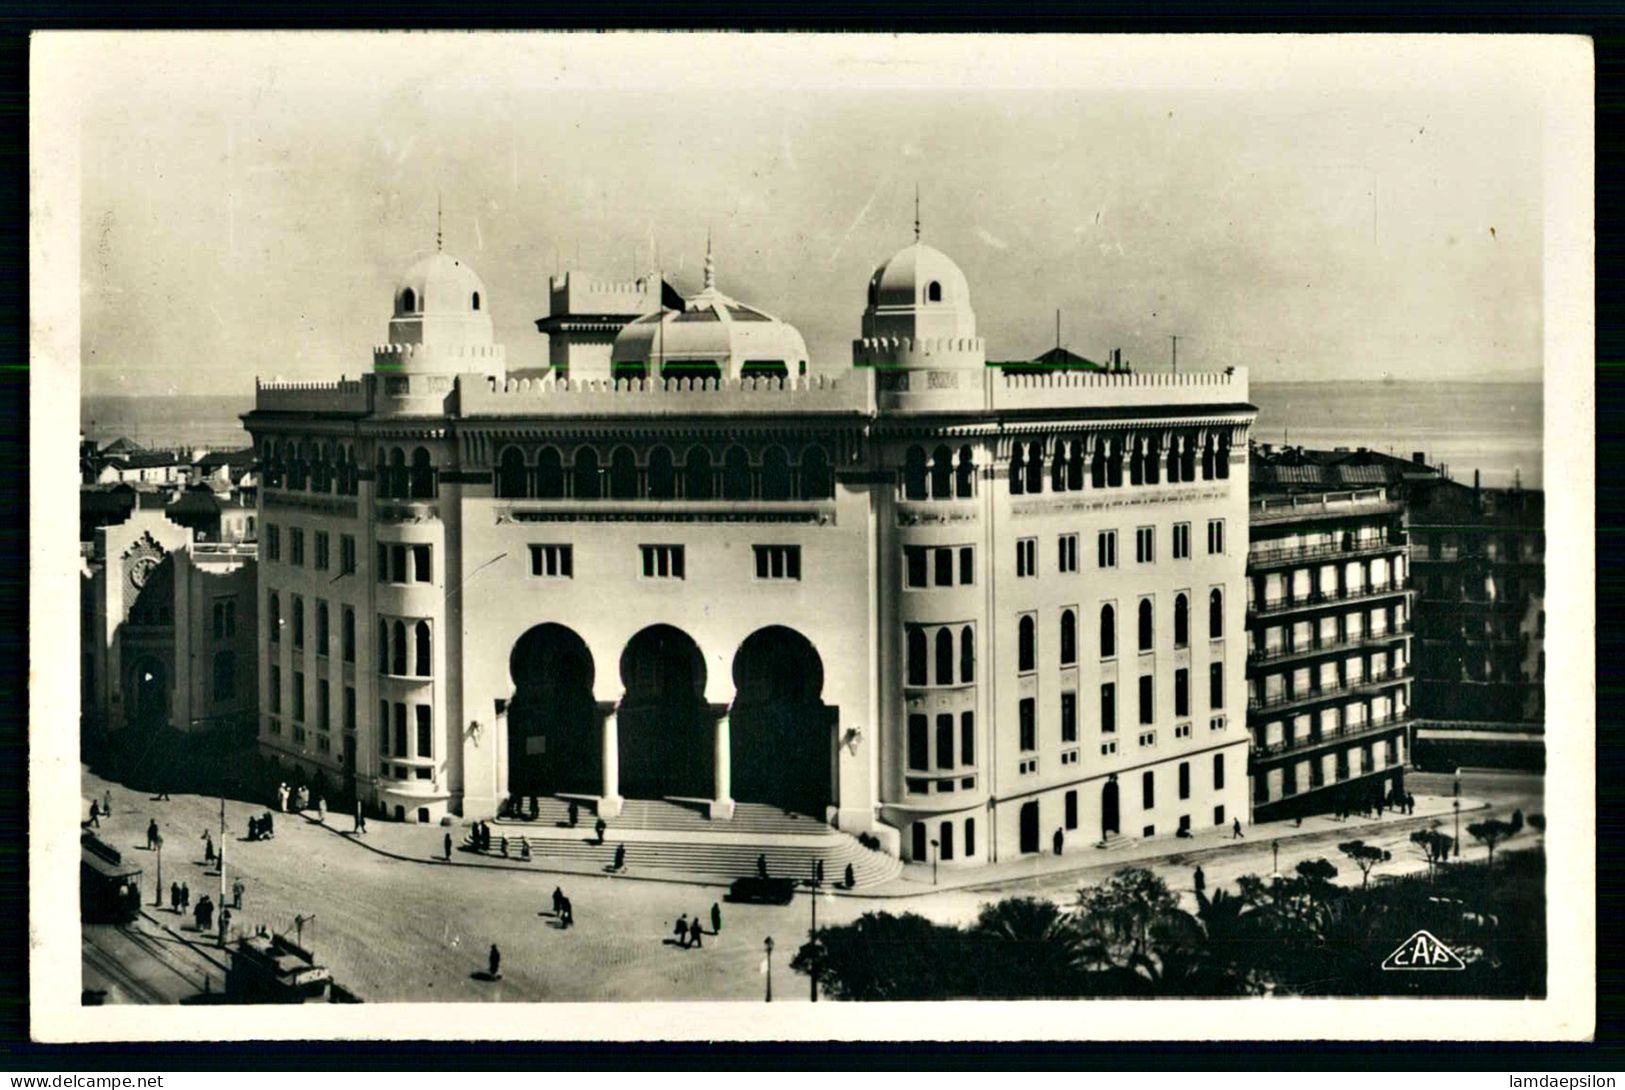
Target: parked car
{"points": [[763, 891]]}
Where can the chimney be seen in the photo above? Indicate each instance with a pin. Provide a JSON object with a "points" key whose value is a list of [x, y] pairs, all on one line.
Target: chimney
{"points": [[1419, 457]]}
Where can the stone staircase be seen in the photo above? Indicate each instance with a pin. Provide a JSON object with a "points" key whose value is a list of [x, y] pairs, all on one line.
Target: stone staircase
{"points": [[652, 832]]}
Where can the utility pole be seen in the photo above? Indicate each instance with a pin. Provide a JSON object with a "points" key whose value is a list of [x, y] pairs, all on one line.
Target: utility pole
{"points": [[158, 894], [767, 944], [221, 854], [1175, 338], [812, 935]]}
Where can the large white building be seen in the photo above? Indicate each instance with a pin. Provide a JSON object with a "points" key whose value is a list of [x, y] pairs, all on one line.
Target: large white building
{"points": [[913, 594]]}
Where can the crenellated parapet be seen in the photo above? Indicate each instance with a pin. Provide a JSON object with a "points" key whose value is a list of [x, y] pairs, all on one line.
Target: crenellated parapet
{"points": [[388, 358], [605, 397], [921, 352], [1127, 389], [343, 396]]}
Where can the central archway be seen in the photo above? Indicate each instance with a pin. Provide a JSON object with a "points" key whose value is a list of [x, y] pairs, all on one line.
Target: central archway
{"points": [[782, 733], [665, 724], [553, 743]]}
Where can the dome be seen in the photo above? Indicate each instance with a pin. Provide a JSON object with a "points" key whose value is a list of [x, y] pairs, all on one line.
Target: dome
{"points": [[919, 293], [712, 336], [440, 322], [439, 284]]}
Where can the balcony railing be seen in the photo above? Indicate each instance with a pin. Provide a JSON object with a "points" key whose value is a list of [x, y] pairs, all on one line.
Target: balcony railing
{"points": [[1369, 683], [1274, 555], [1322, 738], [1287, 603], [1328, 647]]}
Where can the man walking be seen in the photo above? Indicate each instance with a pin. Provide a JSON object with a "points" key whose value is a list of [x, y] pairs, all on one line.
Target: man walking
{"points": [[152, 835], [681, 931], [558, 901], [568, 915], [107, 803], [600, 828], [163, 795], [237, 894], [1235, 829], [620, 856], [360, 820], [448, 847], [95, 814], [174, 896], [496, 962], [1059, 841], [225, 924], [716, 918], [1201, 879], [186, 898], [574, 813], [208, 847], [696, 932]]}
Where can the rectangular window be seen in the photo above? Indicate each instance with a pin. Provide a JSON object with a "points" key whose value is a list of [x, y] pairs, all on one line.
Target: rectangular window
{"points": [[778, 561], [1148, 739], [945, 740], [422, 565], [349, 707], [1148, 790], [970, 837], [296, 546], [1182, 692], [273, 542], [942, 563], [1215, 686], [1026, 557], [1147, 708], [1067, 560], [347, 557], [915, 564], [273, 621], [1069, 717], [323, 550], [275, 689], [225, 676], [299, 696], [383, 563], [946, 840], [1184, 780], [919, 744], [1029, 724], [425, 742], [1218, 815], [552, 561], [967, 739], [967, 568], [1108, 707], [298, 606], [225, 618], [1145, 545], [1106, 549], [383, 728], [662, 561], [347, 636], [1182, 541], [397, 563], [324, 704], [1071, 809], [1215, 537], [400, 730]]}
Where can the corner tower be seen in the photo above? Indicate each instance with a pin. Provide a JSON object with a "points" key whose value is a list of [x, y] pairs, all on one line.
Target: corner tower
{"points": [[919, 315], [440, 323]]}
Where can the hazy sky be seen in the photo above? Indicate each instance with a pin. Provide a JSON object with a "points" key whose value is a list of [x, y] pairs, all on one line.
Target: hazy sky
{"points": [[247, 202]]}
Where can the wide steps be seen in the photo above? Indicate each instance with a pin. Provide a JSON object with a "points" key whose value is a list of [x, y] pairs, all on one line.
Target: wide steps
{"points": [[660, 815]]}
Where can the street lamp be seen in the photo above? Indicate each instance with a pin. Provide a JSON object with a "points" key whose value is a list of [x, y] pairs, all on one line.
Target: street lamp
{"points": [[1455, 804], [934, 854], [158, 893], [812, 934], [768, 945]]}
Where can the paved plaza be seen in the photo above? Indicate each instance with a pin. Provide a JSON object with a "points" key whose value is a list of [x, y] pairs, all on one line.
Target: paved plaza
{"points": [[396, 922]]}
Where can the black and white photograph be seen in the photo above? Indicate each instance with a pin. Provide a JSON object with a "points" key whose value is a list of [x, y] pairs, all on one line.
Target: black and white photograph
{"points": [[700, 519]]}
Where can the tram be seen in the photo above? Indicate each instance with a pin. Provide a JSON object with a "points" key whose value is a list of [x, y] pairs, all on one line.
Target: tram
{"points": [[109, 887]]}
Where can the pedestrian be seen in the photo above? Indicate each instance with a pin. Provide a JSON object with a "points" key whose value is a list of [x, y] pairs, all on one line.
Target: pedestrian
{"points": [[496, 962], [186, 897], [574, 813], [208, 847], [205, 914], [237, 894], [152, 835], [1201, 879], [225, 924], [360, 819], [265, 825], [282, 797], [163, 795], [600, 827], [761, 865], [524, 848], [504, 847], [95, 814], [321, 810], [1059, 840], [1410, 803], [696, 932], [620, 856], [107, 803], [558, 900], [569, 913], [681, 931], [1235, 829], [851, 877], [716, 918], [174, 896]]}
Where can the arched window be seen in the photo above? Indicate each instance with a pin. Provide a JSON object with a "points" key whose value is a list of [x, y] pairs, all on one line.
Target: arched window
{"points": [[1153, 467], [1097, 466], [271, 464], [816, 480], [423, 476], [397, 658], [1069, 637], [380, 476], [1057, 469], [323, 629], [318, 473], [1027, 644], [914, 474], [933, 292], [1114, 465], [1145, 624], [965, 475], [587, 484], [409, 301], [1108, 632], [736, 474], [916, 657], [967, 655], [1182, 621], [397, 474], [341, 470], [1215, 614], [697, 474], [1187, 460], [1035, 467], [1222, 470], [425, 649], [1136, 464], [476, 300], [662, 475], [1075, 467], [273, 617], [550, 474], [942, 474], [1018, 470], [383, 647], [775, 474], [945, 657], [623, 474], [347, 634], [512, 477], [1173, 460]]}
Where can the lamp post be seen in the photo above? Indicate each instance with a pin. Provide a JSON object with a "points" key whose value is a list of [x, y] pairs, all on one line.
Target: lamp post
{"points": [[1275, 856], [812, 934], [767, 944], [934, 853], [158, 893], [1455, 849]]}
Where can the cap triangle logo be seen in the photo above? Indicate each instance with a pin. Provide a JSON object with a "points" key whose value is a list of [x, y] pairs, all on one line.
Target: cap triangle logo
{"points": [[1422, 951]]}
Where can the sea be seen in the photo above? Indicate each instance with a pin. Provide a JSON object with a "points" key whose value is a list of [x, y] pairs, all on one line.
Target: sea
{"points": [[1491, 427]]}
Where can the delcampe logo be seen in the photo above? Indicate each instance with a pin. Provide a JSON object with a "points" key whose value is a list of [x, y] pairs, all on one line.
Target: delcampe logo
{"points": [[1422, 951]]}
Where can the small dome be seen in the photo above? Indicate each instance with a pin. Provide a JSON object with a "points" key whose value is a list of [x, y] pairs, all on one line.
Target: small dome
{"points": [[439, 284], [921, 294], [713, 336]]}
